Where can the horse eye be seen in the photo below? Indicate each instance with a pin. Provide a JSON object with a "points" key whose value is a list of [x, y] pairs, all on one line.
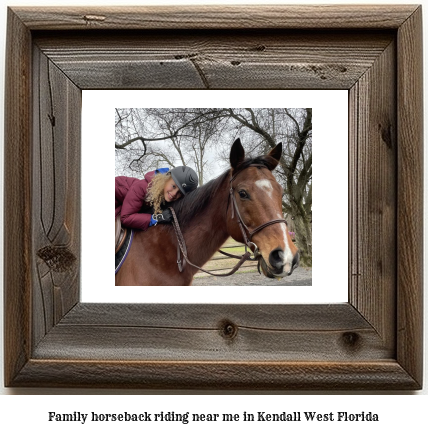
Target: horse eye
{"points": [[243, 194]]}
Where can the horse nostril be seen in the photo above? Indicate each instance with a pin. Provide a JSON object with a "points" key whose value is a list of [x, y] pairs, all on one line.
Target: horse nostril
{"points": [[296, 260], [276, 258]]}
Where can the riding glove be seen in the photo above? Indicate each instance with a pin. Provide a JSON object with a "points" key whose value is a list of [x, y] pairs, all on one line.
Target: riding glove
{"points": [[165, 217]]}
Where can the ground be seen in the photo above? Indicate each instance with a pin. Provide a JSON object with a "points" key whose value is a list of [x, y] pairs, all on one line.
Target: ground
{"points": [[300, 277]]}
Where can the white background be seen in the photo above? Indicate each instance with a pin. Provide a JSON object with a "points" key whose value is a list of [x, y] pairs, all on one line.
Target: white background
{"points": [[330, 197], [398, 412]]}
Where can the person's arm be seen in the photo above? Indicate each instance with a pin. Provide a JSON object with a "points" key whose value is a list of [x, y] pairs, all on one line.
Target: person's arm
{"points": [[130, 216]]}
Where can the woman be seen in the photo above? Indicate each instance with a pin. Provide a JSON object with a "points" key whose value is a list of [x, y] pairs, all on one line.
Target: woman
{"points": [[140, 202]]}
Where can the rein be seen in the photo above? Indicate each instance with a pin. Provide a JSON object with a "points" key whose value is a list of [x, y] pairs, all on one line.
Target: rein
{"points": [[181, 245]]}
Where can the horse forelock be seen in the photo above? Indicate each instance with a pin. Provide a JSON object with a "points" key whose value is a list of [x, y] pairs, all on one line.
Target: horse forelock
{"points": [[264, 160]]}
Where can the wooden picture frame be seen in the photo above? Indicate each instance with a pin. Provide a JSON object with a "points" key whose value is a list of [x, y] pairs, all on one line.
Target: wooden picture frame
{"points": [[372, 342]]}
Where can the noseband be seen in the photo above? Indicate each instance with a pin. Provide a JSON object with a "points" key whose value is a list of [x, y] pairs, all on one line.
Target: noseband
{"points": [[244, 228]]}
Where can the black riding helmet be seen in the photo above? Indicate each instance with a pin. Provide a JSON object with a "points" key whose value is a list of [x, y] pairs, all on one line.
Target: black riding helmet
{"points": [[185, 178]]}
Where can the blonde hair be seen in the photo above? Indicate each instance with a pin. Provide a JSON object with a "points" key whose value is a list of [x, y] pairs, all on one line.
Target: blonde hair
{"points": [[155, 195]]}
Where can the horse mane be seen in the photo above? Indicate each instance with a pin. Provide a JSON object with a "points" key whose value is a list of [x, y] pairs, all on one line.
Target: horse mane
{"points": [[196, 201]]}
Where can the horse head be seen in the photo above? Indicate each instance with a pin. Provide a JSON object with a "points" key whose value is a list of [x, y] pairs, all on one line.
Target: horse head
{"points": [[256, 218]]}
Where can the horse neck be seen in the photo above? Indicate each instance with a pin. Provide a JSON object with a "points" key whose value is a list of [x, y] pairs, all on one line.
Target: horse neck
{"points": [[207, 231]]}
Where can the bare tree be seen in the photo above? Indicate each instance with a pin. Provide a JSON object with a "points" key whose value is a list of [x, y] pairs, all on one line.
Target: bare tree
{"points": [[297, 173], [294, 128], [153, 138]]}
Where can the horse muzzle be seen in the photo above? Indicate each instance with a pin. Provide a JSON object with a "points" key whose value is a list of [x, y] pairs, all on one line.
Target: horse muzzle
{"points": [[278, 267]]}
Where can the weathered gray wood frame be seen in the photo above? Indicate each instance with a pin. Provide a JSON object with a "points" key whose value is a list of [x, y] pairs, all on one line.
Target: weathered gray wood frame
{"points": [[372, 342]]}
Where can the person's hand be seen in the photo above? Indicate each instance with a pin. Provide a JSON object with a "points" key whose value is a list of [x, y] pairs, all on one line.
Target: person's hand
{"points": [[165, 217]]}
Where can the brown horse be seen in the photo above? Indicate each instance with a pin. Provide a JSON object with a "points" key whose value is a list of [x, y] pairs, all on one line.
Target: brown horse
{"points": [[206, 219]]}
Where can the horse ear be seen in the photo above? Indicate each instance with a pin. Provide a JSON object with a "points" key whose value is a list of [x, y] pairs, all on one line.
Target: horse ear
{"points": [[276, 153], [237, 154]]}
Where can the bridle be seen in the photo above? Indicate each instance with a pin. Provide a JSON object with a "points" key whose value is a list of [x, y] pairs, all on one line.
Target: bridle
{"points": [[244, 228], [181, 245]]}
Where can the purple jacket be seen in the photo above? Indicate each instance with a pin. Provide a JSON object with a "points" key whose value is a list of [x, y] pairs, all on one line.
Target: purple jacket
{"points": [[130, 195]]}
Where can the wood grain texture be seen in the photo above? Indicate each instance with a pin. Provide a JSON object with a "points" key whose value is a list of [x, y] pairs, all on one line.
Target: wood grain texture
{"points": [[17, 219], [372, 342], [216, 60], [210, 316], [373, 175], [199, 332], [56, 194], [410, 196], [216, 17], [385, 375]]}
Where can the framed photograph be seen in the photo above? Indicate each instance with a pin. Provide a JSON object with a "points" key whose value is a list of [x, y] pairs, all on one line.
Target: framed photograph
{"points": [[210, 215], [372, 341], [328, 111]]}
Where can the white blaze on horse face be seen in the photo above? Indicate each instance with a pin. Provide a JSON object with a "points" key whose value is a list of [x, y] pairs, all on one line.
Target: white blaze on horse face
{"points": [[266, 186], [288, 255]]}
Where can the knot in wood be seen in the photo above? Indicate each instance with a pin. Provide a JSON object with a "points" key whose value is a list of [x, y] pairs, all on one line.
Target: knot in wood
{"points": [[228, 330], [351, 340], [94, 18], [58, 259]]}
